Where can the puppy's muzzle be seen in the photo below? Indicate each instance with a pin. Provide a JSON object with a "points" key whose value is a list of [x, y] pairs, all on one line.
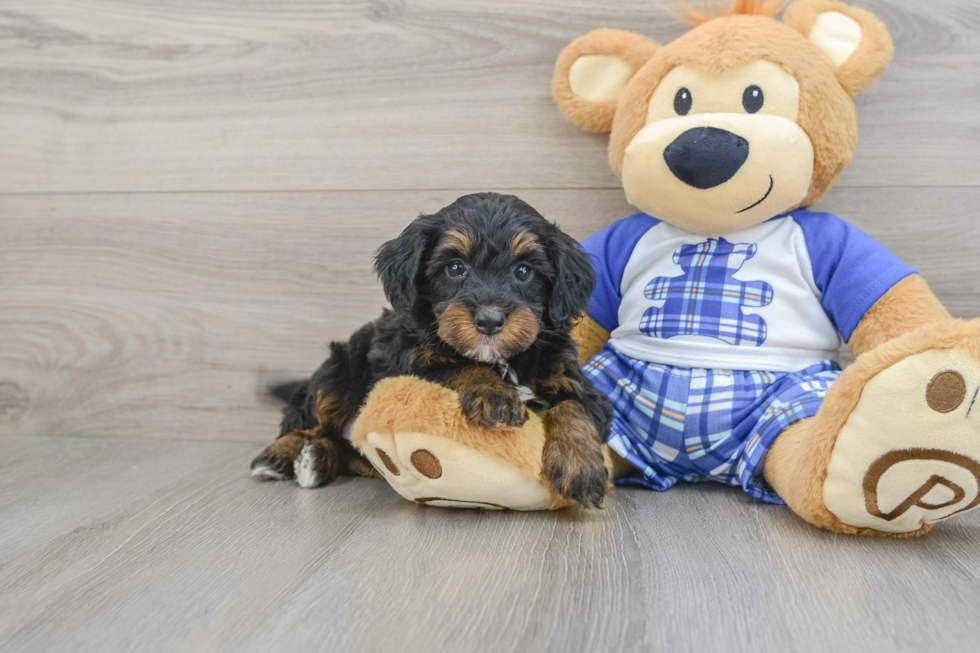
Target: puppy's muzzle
{"points": [[488, 334]]}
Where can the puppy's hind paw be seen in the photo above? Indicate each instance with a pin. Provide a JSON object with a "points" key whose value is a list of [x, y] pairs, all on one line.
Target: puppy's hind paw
{"points": [[317, 464], [275, 463], [269, 472]]}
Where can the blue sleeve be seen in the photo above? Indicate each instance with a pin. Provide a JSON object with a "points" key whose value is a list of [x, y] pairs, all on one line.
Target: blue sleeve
{"points": [[850, 268], [610, 250]]}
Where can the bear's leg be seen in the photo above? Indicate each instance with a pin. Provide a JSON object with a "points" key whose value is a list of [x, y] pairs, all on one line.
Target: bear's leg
{"points": [[417, 436], [895, 446]]}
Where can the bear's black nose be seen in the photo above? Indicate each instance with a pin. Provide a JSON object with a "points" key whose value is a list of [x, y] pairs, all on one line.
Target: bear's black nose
{"points": [[489, 321], [705, 157]]}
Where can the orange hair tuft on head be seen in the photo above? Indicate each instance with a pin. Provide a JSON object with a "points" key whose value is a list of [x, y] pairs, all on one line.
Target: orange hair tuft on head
{"points": [[716, 9]]}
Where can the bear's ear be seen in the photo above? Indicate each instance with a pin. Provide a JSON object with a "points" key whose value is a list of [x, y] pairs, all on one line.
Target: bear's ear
{"points": [[592, 72], [854, 40]]}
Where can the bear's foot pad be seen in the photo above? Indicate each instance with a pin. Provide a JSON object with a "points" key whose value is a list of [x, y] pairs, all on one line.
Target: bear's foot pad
{"points": [[436, 471], [909, 453]]}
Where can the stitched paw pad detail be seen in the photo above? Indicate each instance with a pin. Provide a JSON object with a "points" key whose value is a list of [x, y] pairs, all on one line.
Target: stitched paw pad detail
{"points": [[436, 471], [909, 453]]}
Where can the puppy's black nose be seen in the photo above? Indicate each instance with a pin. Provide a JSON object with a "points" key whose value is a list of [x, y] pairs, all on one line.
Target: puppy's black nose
{"points": [[489, 321], [705, 157]]}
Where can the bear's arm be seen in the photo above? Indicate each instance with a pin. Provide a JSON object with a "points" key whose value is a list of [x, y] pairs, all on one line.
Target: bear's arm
{"points": [[908, 305], [610, 250], [590, 338]]}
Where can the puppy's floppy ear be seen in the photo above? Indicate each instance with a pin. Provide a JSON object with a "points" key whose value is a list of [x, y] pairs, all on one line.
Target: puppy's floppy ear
{"points": [[592, 72], [574, 280], [856, 41], [399, 262]]}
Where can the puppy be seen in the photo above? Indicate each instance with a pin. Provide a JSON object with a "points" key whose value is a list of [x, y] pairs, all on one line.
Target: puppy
{"points": [[484, 294]]}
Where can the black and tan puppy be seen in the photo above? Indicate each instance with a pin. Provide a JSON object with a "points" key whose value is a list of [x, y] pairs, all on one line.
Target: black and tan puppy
{"points": [[483, 295]]}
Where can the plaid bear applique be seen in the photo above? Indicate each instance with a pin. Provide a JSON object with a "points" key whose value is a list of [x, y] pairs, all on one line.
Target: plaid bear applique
{"points": [[707, 300]]}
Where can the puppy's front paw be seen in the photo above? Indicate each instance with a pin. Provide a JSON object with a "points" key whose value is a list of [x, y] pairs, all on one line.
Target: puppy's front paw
{"points": [[576, 476], [573, 462], [494, 407]]}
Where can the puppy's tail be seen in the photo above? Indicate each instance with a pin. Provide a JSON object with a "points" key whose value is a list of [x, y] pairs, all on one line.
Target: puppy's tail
{"points": [[285, 392]]}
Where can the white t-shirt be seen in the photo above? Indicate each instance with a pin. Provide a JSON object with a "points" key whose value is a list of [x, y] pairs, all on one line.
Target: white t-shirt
{"points": [[773, 297]]}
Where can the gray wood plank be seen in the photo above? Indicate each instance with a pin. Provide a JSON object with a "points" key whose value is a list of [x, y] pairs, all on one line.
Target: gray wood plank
{"points": [[165, 315], [189, 554], [129, 95]]}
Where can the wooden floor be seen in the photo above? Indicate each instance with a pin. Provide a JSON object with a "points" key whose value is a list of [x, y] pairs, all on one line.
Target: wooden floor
{"points": [[190, 195], [160, 545]]}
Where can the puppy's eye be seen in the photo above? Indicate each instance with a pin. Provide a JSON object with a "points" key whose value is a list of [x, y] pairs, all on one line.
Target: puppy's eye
{"points": [[682, 102], [753, 99], [522, 272], [456, 269]]}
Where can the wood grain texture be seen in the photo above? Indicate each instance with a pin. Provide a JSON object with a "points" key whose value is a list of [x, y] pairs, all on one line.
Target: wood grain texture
{"points": [[129, 95], [166, 315], [167, 546]]}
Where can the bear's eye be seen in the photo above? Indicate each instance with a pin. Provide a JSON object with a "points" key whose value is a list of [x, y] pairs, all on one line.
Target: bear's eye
{"points": [[682, 102], [753, 99], [522, 272], [456, 269]]}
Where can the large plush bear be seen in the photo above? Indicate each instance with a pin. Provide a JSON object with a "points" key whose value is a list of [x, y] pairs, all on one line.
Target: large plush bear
{"points": [[720, 307]]}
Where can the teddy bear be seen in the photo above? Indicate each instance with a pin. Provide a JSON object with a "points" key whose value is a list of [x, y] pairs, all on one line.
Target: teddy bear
{"points": [[720, 307]]}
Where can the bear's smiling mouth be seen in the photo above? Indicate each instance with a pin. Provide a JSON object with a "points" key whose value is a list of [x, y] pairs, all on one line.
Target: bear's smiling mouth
{"points": [[752, 206]]}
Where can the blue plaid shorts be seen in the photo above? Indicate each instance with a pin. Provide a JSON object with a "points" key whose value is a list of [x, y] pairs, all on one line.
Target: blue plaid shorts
{"points": [[676, 423]]}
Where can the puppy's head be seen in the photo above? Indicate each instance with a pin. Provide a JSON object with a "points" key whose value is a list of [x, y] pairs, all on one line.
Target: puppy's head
{"points": [[489, 272]]}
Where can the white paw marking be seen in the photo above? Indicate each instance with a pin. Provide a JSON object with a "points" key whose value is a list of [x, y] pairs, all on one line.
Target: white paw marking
{"points": [[265, 471], [303, 466]]}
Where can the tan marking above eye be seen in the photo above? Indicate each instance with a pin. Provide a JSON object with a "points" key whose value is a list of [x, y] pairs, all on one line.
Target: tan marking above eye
{"points": [[427, 464], [946, 391], [459, 241], [524, 244], [388, 462]]}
